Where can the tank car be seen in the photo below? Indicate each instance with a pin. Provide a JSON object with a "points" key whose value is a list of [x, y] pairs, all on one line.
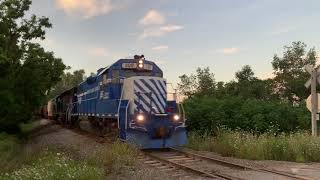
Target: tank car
{"points": [[129, 96]]}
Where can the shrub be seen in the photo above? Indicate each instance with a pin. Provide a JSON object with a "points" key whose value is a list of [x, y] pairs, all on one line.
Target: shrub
{"points": [[206, 114], [27, 128]]}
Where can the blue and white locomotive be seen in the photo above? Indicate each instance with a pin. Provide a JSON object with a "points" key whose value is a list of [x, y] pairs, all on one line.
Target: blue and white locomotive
{"points": [[131, 97]]}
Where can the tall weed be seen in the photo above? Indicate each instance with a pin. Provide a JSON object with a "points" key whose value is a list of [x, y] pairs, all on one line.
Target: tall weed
{"points": [[119, 156], [298, 146]]}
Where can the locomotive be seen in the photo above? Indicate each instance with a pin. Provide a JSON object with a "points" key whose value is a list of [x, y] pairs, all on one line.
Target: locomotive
{"points": [[130, 96]]}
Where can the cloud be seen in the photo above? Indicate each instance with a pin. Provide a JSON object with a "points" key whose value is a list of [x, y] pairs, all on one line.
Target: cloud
{"points": [[154, 25], [153, 17], [86, 8], [160, 31], [231, 50], [102, 52], [160, 48]]}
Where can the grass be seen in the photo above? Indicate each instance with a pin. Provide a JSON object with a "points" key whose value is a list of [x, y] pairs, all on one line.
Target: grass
{"points": [[298, 147], [119, 156], [113, 161], [54, 165], [9, 148]]}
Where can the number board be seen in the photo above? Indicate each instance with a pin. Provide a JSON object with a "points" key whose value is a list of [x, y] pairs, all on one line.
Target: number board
{"points": [[148, 67], [129, 65]]}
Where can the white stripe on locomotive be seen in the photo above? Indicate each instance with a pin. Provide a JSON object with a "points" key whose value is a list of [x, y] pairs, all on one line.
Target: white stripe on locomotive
{"points": [[147, 98]]}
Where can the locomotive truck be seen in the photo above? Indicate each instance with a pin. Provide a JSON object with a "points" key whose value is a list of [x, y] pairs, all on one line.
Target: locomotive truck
{"points": [[129, 96]]}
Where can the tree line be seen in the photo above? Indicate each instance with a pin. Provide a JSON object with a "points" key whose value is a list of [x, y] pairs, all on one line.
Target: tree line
{"points": [[27, 70], [248, 103]]}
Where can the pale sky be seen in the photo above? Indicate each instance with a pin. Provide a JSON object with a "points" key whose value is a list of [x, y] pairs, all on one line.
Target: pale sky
{"points": [[180, 35]]}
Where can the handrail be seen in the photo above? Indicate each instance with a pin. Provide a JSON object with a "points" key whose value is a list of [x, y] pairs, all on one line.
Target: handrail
{"points": [[119, 107], [126, 127]]}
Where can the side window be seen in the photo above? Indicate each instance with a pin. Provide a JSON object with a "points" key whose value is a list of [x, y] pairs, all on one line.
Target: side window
{"points": [[115, 76]]}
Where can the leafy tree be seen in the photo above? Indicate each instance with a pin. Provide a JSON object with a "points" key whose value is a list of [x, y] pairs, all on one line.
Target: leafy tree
{"points": [[249, 86], [27, 71], [203, 83], [290, 75], [245, 74], [187, 85], [206, 82], [68, 80]]}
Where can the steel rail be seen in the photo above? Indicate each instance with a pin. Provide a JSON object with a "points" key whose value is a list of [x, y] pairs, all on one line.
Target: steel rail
{"points": [[214, 175], [240, 166]]}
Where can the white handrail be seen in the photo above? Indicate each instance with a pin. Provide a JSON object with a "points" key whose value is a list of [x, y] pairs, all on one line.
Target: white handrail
{"points": [[127, 115], [119, 107]]}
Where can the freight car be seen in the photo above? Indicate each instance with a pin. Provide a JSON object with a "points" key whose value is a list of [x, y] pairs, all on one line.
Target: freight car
{"points": [[129, 96]]}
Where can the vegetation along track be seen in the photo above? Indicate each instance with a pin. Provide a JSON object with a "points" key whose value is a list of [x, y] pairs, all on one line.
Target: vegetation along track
{"points": [[182, 164], [172, 159]]}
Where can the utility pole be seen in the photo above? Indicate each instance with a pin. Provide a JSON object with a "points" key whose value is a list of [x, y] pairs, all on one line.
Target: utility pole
{"points": [[314, 102]]}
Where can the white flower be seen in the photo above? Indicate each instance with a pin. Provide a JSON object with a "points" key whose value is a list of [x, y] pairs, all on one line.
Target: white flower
{"points": [[58, 154]]}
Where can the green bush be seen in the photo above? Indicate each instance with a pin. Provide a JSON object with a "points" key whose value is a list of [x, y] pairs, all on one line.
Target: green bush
{"points": [[208, 114], [51, 165], [298, 146]]}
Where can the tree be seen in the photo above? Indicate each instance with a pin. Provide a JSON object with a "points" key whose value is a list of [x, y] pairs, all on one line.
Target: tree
{"points": [[206, 81], [289, 73], [27, 71], [187, 85], [245, 74], [201, 84], [68, 81]]}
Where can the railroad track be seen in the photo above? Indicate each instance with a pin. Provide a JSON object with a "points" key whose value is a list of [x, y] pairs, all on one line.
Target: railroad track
{"points": [[212, 168]]}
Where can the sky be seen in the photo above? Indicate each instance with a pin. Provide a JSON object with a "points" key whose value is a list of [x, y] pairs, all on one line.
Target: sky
{"points": [[179, 35]]}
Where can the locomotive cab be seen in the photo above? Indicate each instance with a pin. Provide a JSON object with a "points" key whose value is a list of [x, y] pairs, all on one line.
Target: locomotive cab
{"points": [[152, 120]]}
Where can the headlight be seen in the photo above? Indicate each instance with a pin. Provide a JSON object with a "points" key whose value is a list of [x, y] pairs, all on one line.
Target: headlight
{"points": [[140, 118], [140, 61], [140, 65], [176, 117]]}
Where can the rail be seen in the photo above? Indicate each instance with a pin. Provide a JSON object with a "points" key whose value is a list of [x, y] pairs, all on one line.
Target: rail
{"points": [[240, 166]]}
